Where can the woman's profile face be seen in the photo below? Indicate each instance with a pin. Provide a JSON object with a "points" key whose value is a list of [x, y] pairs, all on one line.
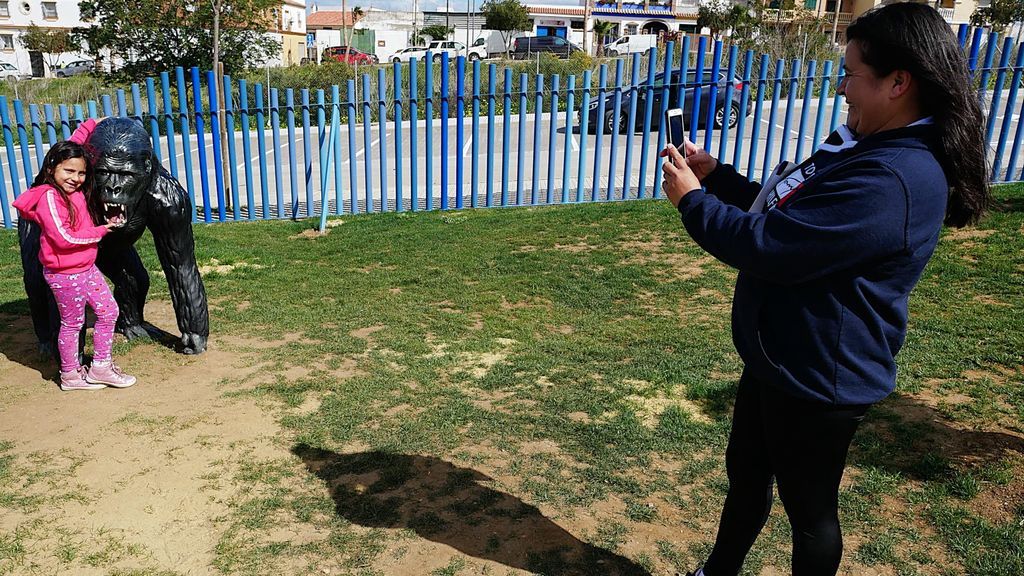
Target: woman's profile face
{"points": [[867, 95]]}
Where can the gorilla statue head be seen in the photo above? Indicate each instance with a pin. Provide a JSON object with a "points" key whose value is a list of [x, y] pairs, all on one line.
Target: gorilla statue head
{"points": [[125, 167]]}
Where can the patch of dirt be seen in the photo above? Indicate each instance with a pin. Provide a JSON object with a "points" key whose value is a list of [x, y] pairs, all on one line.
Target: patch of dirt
{"points": [[366, 333], [966, 234], [650, 408], [990, 301]]}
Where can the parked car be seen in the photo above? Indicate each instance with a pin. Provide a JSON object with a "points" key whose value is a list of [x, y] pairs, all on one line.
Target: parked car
{"points": [[610, 112], [455, 49], [525, 47], [406, 54], [10, 72], [631, 43], [354, 56], [74, 68]]}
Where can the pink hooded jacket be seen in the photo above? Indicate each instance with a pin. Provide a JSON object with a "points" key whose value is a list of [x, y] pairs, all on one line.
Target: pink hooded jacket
{"points": [[63, 248]]}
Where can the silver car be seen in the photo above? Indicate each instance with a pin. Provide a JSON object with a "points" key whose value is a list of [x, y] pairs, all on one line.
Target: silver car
{"points": [[10, 72], [74, 68]]}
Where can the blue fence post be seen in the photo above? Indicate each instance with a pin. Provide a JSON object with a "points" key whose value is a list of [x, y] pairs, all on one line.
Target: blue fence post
{"points": [[633, 87], [122, 107], [445, 119], [615, 114], [840, 73], [197, 108], [474, 162], [154, 121], [506, 142], [794, 87], [662, 128], [780, 66], [172, 154], [1011, 99], [51, 128], [396, 75], [826, 78], [429, 109], [293, 160], [211, 87], [491, 81], [961, 36], [997, 92], [524, 86], [65, 122], [307, 154], [698, 87], [367, 145], [599, 125], [5, 210], [37, 134], [382, 125], [755, 132], [537, 111], [652, 64], [812, 69], [413, 120], [108, 110], [229, 123], [243, 95], [741, 125], [986, 70], [91, 106], [1018, 139], [137, 103], [552, 122], [723, 139], [353, 172], [972, 60], [709, 120], [261, 144], [570, 95], [12, 159], [186, 138], [275, 135], [581, 164], [460, 129], [684, 65], [327, 158], [323, 150], [26, 157]]}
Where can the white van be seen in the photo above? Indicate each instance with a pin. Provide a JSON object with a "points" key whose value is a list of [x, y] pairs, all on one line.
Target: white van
{"points": [[631, 43]]}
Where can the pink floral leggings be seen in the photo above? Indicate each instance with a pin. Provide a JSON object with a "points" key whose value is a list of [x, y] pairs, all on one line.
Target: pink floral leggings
{"points": [[73, 292]]}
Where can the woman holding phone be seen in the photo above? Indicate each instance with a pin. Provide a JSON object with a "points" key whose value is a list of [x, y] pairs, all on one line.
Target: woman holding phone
{"points": [[827, 255]]}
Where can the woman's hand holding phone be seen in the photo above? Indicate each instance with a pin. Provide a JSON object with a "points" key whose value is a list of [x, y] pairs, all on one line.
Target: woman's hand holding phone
{"points": [[699, 160]]}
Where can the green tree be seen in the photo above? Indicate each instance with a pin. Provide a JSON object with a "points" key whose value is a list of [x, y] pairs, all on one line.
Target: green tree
{"points": [[602, 29], [721, 15], [437, 31], [50, 42], [506, 16], [999, 14], [152, 35]]}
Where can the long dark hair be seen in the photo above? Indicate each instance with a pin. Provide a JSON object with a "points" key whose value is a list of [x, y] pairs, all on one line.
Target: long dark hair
{"points": [[59, 152], [915, 38]]}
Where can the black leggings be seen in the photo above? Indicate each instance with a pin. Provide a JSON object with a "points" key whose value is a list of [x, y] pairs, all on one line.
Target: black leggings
{"points": [[801, 444]]}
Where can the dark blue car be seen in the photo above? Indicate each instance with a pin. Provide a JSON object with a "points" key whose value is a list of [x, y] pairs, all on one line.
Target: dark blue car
{"points": [[610, 113]]}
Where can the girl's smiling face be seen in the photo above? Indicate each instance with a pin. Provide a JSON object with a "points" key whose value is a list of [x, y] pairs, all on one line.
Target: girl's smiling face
{"points": [[70, 174]]}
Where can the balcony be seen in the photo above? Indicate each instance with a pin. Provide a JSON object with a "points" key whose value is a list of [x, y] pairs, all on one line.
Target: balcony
{"points": [[947, 13], [772, 15]]}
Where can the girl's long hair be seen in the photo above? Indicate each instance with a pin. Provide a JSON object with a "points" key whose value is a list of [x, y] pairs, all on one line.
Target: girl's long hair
{"points": [[59, 152], [915, 38]]}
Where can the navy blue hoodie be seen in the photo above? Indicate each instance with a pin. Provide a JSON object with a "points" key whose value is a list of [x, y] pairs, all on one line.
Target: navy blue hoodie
{"points": [[825, 274]]}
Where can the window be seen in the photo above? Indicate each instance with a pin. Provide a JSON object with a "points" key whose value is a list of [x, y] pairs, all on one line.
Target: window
{"points": [[7, 42], [50, 10], [5, 10]]}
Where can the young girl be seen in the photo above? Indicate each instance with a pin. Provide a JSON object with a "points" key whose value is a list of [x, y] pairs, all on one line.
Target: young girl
{"points": [[59, 202]]}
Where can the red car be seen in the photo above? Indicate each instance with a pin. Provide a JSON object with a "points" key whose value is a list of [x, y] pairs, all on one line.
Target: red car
{"points": [[338, 54]]}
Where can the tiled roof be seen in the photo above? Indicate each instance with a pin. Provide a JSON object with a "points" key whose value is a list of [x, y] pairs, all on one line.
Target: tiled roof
{"points": [[325, 18], [567, 11]]}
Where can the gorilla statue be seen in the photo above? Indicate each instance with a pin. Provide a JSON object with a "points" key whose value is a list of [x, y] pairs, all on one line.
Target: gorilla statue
{"points": [[130, 182]]}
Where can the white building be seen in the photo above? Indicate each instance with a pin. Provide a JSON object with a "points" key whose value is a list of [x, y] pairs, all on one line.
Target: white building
{"points": [[15, 18]]}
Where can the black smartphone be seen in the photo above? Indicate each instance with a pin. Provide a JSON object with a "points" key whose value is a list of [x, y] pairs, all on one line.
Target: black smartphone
{"points": [[676, 132]]}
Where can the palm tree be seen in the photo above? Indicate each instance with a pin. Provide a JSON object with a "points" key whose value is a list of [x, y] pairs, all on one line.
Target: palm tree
{"points": [[602, 28]]}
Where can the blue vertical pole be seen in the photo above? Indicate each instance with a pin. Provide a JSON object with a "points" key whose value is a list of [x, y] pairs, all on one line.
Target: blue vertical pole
{"points": [[972, 60], [1004, 61], [633, 87], [229, 119], [429, 109], [506, 142], [37, 134], [684, 65], [537, 111], [396, 75], [652, 64], [662, 128], [122, 107], [709, 119], [382, 125], [413, 119], [570, 94], [616, 114], [65, 122], [581, 164], [154, 121], [698, 87], [91, 105], [352, 171], [367, 136], [741, 123], [51, 128], [723, 141], [165, 92], [136, 102], [460, 130], [307, 154], [445, 116], [197, 108], [599, 124], [4, 208], [474, 137], [986, 71], [776, 90], [275, 135], [524, 86], [26, 159], [211, 87], [12, 159], [1018, 139], [552, 122], [243, 99], [826, 79], [812, 69], [261, 151], [293, 160], [491, 81], [840, 73], [794, 87], [1011, 99], [324, 148], [961, 36], [755, 132]]}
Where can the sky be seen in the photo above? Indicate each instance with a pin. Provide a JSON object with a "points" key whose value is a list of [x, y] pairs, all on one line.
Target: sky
{"points": [[405, 5]]}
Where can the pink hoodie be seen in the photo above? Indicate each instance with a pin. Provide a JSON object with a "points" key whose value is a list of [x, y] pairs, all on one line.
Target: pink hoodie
{"points": [[63, 248]]}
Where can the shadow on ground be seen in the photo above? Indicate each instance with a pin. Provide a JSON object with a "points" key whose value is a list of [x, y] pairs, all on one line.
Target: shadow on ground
{"points": [[453, 506]]}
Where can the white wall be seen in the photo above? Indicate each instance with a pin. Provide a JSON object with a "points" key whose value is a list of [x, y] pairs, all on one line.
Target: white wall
{"points": [[21, 13]]}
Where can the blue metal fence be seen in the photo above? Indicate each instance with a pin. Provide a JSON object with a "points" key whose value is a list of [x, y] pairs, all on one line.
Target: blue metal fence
{"points": [[543, 140]]}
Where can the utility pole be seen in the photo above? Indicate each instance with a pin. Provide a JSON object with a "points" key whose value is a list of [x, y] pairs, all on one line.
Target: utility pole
{"points": [[835, 22]]}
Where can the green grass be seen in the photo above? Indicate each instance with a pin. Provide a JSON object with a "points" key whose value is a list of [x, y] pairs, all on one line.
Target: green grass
{"points": [[580, 355]]}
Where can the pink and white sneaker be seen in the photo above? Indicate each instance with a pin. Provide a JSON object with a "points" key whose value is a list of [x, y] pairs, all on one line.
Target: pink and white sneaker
{"points": [[76, 381], [108, 374]]}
